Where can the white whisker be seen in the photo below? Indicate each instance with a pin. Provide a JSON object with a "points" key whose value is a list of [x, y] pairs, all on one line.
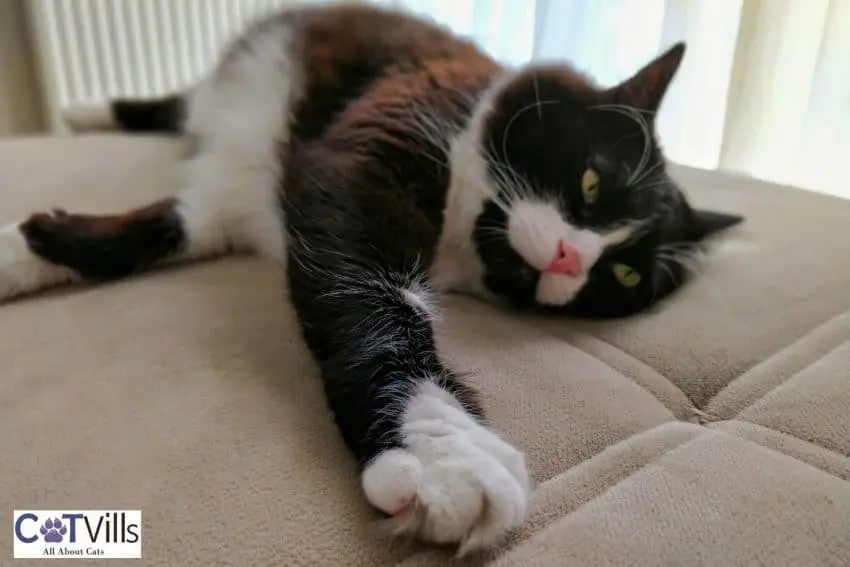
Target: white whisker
{"points": [[537, 99], [636, 115], [689, 262], [637, 182], [506, 134]]}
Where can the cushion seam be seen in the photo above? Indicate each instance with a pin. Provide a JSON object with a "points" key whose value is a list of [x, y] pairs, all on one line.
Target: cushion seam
{"points": [[783, 433], [789, 378], [630, 378], [705, 431], [608, 488], [776, 353]]}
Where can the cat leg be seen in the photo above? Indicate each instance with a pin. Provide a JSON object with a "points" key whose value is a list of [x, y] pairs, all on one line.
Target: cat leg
{"points": [[55, 248], [229, 204], [51, 249], [429, 460]]}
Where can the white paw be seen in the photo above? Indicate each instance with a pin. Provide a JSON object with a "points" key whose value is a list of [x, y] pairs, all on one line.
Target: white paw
{"points": [[557, 290], [21, 271], [455, 481]]}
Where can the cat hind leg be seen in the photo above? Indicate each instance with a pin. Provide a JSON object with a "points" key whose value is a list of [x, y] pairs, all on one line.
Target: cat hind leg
{"points": [[57, 248]]}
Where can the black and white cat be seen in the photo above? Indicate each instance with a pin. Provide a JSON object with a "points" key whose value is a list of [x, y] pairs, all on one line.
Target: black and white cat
{"points": [[384, 160]]}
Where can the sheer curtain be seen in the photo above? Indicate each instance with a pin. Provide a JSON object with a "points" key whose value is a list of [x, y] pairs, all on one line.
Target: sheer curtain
{"points": [[764, 89]]}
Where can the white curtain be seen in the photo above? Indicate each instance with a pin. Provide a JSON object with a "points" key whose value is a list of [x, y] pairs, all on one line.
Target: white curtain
{"points": [[764, 89]]}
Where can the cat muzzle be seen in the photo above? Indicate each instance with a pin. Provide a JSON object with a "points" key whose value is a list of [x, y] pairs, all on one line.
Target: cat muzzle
{"points": [[567, 261]]}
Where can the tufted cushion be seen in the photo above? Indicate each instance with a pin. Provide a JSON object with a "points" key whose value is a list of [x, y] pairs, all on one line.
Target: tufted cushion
{"points": [[715, 431]]}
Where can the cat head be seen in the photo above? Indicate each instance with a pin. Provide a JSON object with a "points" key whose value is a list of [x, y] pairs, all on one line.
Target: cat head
{"points": [[580, 213]]}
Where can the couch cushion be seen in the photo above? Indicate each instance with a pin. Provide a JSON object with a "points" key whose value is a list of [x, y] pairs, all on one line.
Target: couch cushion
{"points": [[187, 393], [713, 500]]}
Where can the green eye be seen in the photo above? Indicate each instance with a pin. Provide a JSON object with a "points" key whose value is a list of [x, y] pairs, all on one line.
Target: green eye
{"points": [[626, 275], [590, 186]]}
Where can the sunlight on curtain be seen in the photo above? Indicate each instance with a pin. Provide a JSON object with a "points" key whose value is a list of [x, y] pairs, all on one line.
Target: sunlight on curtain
{"points": [[609, 40], [789, 118], [823, 149], [764, 88]]}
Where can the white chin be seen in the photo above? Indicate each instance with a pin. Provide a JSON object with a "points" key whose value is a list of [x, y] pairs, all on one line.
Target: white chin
{"points": [[557, 290]]}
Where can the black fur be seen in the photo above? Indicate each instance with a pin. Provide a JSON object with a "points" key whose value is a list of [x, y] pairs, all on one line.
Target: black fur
{"points": [[107, 247], [347, 270], [363, 195], [164, 115]]}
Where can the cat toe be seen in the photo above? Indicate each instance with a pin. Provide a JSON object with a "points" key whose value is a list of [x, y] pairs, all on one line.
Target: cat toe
{"points": [[455, 481]]}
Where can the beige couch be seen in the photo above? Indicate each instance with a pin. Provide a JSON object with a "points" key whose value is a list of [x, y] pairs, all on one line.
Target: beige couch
{"points": [[714, 432]]}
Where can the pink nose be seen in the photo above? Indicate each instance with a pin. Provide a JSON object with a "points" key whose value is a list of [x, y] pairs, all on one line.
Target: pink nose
{"points": [[567, 261]]}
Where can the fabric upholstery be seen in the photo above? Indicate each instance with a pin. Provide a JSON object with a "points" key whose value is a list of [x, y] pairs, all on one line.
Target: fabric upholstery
{"points": [[713, 432]]}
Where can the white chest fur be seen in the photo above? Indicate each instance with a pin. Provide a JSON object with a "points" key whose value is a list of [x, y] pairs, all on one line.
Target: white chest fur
{"points": [[456, 267]]}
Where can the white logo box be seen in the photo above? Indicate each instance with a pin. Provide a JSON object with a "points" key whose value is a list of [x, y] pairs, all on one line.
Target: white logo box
{"points": [[77, 534]]}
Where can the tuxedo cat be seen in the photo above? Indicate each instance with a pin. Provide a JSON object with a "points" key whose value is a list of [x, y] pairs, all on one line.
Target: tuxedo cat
{"points": [[385, 160]]}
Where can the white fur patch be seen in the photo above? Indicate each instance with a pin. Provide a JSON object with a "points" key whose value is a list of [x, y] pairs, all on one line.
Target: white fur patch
{"points": [[534, 230], [557, 290], [392, 481], [455, 481], [418, 297], [456, 266], [21, 271], [241, 112]]}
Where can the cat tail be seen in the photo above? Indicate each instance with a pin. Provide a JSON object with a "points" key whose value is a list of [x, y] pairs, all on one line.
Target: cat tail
{"points": [[166, 115]]}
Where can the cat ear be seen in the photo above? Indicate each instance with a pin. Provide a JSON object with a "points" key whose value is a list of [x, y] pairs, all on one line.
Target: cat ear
{"points": [[646, 88], [705, 223]]}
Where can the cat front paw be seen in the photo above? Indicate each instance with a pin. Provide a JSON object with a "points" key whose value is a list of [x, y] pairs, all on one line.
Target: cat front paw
{"points": [[454, 481]]}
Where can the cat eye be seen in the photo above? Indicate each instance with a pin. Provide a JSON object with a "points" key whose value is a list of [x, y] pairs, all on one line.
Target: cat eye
{"points": [[626, 275], [590, 186]]}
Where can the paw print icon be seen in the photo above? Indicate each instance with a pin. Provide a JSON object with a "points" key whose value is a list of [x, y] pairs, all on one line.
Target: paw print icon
{"points": [[53, 530]]}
